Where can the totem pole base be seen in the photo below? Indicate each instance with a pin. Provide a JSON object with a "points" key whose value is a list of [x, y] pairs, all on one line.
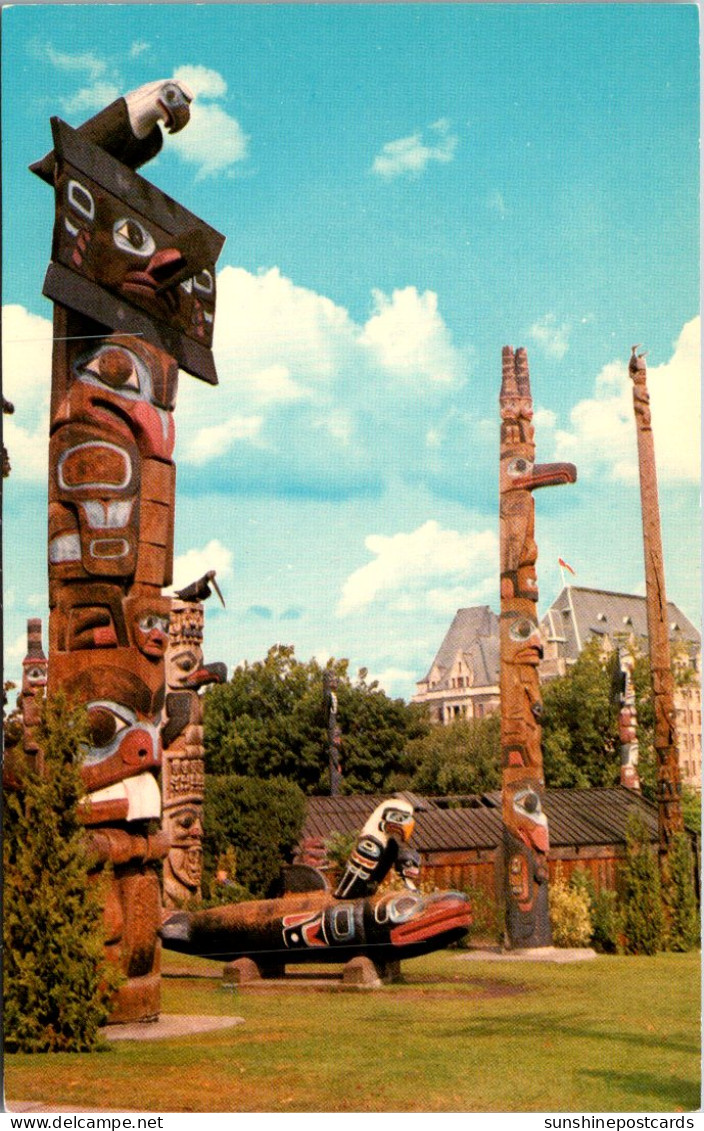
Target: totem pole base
{"points": [[139, 999]]}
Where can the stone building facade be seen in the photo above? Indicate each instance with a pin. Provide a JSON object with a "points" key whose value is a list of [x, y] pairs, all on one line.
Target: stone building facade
{"points": [[579, 615], [463, 680]]}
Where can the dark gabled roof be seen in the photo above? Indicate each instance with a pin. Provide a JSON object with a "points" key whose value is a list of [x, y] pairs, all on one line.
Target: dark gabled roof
{"points": [[474, 632], [576, 817], [598, 612]]}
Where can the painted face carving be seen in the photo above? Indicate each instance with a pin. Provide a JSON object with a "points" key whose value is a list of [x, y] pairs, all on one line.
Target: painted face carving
{"points": [[525, 824], [129, 256]]}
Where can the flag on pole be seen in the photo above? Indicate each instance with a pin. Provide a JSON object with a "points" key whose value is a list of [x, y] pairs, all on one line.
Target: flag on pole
{"points": [[564, 565]]}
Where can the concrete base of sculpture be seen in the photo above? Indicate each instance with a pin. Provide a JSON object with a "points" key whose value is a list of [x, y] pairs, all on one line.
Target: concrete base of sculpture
{"points": [[168, 1026]]}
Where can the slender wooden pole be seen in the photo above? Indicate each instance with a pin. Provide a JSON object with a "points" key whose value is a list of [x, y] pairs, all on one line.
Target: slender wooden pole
{"points": [[669, 788], [526, 839]]}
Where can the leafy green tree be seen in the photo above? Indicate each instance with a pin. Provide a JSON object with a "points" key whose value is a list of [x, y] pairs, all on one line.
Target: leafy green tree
{"points": [[643, 921], [580, 723], [57, 982], [256, 823], [268, 721], [462, 757]]}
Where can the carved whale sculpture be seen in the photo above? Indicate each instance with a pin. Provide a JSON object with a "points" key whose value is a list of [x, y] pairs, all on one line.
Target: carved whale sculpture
{"points": [[314, 926], [309, 923]]}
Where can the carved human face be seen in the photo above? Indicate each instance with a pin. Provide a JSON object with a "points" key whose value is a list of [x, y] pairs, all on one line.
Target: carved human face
{"points": [[521, 642], [185, 829]]}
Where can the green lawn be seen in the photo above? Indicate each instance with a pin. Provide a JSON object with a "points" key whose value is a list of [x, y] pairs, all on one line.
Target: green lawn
{"points": [[614, 1034]]}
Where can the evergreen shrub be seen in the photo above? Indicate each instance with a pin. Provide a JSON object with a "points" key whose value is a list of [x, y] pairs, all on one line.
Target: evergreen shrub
{"points": [[57, 982], [642, 919]]}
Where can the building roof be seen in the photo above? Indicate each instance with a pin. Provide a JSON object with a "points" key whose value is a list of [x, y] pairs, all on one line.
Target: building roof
{"points": [[474, 634], [576, 817], [580, 614]]}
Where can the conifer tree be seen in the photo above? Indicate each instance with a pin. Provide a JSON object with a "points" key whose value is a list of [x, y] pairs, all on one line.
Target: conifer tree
{"points": [[679, 896], [642, 915], [57, 982]]}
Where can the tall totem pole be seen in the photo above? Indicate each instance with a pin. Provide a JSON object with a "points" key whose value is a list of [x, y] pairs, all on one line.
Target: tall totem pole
{"points": [[526, 839], [132, 281], [183, 777], [670, 820], [333, 729]]}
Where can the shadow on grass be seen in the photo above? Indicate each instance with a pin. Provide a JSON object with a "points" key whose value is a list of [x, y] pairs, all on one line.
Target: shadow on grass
{"points": [[670, 1092], [566, 1026]]}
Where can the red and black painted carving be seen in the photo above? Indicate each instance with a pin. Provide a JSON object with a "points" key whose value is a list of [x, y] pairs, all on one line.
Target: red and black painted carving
{"points": [[183, 778], [132, 280], [526, 838]]}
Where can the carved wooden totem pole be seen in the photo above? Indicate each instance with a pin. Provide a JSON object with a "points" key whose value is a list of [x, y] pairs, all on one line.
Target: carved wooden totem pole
{"points": [[526, 839], [183, 777], [334, 733], [627, 721], [132, 280], [670, 820], [34, 680]]}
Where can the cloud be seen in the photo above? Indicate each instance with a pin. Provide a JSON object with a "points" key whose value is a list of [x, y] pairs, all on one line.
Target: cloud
{"points": [[26, 364], [552, 338], [102, 80], [217, 439], [195, 563], [413, 571], [602, 434], [263, 612], [202, 81], [138, 48], [213, 141], [408, 336], [394, 681], [410, 156], [306, 393]]}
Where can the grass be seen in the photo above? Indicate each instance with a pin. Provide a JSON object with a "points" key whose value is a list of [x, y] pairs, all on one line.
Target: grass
{"points": [[613, 1034]]}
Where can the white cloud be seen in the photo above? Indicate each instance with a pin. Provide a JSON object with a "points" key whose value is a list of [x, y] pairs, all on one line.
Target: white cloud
{"points": [[138, 48], [410, 156], [302, 380], [216, 439], [602, 433], [394, 681], [214, 141], [195, 563], [407, 566], [201, 81], [90, 99], [408, 336], [85, 62], [553, 338], [26, 364]]}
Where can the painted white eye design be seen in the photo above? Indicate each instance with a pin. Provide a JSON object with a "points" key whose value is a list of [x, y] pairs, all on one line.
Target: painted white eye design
{"points": [[153, 620], [519, 467], [204, 283], [80, 200], [129, 235], [522, 629], [105, 722], [34, 674]]}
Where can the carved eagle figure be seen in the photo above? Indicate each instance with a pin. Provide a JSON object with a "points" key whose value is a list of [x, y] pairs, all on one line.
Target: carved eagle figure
{"points": [[129, 128]]}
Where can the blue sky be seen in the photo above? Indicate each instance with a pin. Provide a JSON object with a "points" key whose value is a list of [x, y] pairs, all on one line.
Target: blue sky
{"points": [[404, 189]]}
